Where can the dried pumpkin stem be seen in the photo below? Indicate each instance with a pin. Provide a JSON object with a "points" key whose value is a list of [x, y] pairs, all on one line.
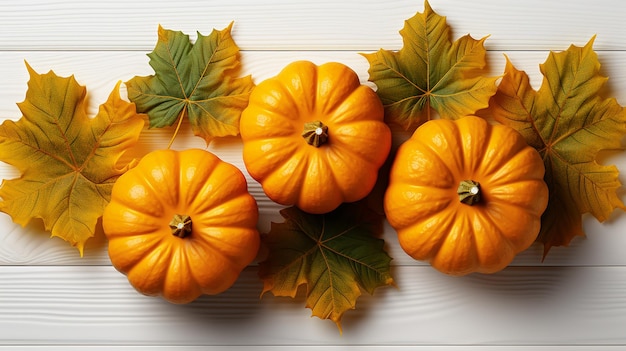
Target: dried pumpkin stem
{"points": [[181, 225], [315, 133], [469, 192]]}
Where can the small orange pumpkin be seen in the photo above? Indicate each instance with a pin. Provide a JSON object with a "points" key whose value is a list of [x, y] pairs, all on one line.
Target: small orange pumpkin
{"points": [[314, 137], [465, 195], [181, 224]]}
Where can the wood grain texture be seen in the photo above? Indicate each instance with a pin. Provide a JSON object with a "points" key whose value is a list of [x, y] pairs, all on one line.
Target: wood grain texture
{"points": [[50, 299], [312, 348], [518, 306], [303, 25], [100, 71]]}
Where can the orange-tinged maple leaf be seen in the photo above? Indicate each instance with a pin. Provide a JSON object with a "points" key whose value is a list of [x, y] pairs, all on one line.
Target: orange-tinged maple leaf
{"points": [[68, 162], [569, 123], [195, 81], [334, 255], [430, 72]]}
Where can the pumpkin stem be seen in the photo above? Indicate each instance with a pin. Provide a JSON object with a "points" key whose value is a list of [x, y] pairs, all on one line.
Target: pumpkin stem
{"points": [[469, 192], [315, 133], [181, 225]]}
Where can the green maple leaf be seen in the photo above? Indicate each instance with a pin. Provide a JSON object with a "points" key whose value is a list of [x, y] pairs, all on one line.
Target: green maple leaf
{"points": [[68, 162], [334, 255], [430, 72], [195, 81], [569, 123]]}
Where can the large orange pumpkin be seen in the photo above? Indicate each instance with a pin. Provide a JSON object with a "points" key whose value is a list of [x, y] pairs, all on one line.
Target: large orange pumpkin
{"points": [[465, 195], [314, 137], [181, 224]]}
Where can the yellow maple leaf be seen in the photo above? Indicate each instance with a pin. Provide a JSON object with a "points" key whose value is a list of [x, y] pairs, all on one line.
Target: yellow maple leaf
{"points": [[68, 162], [569, 123]]}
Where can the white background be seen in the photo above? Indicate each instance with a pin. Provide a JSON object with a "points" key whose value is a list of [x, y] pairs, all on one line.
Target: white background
{"points": [[52, 299]]}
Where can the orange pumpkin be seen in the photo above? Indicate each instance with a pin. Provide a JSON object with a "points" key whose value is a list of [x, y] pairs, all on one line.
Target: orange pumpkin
{"points": [[181, 224], [465, 195], [314, 137]]}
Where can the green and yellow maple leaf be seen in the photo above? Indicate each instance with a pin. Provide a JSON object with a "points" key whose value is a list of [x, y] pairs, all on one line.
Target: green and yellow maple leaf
{"points": [[430, 72], [195, 81], [68, 162], [334, 255], [569, 123]]}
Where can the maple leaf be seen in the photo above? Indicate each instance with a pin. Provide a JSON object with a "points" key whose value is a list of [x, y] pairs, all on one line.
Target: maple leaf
{"points": [[68, 162], [430, 72], [194, 81], [334, 255], [569, 123]]}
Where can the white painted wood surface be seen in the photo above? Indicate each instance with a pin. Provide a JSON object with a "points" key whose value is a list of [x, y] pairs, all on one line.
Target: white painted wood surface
{"points": [[52, 299]]}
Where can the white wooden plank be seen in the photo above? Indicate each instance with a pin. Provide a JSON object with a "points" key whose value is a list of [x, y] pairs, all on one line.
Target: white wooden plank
{"points": [[31, 245], [302, 25], [317, 347], [99, 71], [519, 306]]}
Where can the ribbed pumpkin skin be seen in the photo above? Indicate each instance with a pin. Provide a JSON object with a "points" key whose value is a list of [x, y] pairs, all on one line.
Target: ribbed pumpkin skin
{"points": [[293, 172], [422, 203], [223, 240]]}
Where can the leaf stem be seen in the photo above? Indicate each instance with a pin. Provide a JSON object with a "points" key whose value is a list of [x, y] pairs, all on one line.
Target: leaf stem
{"points": [[181, 116]]}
